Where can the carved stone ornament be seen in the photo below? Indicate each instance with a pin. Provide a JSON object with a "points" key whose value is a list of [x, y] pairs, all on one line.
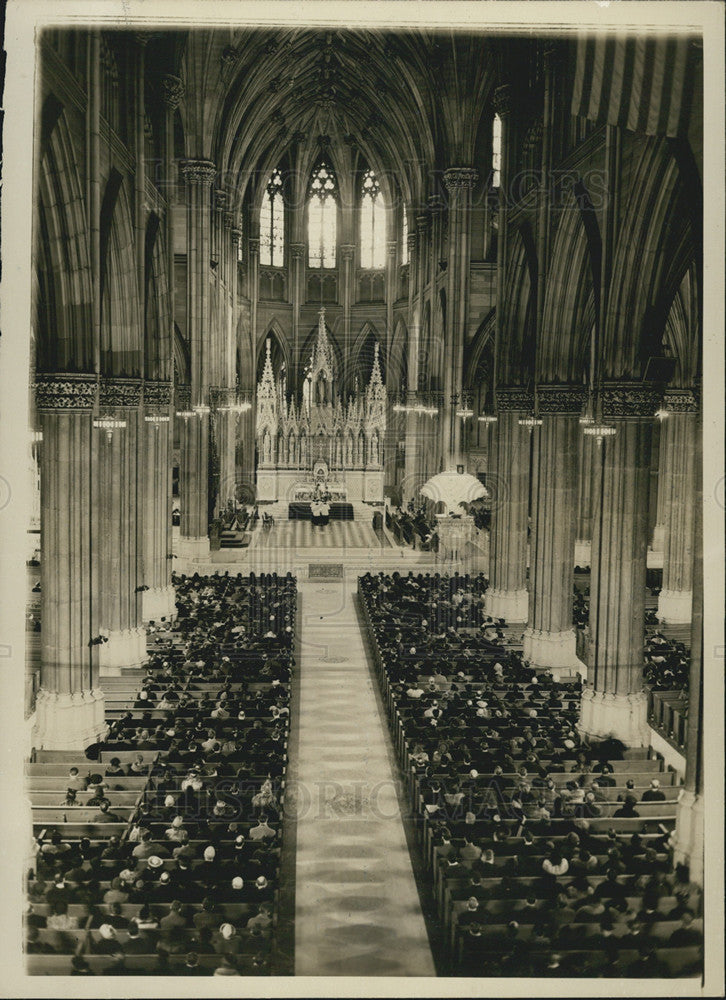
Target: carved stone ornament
{"points": [[629, 399], [347, 251], [183, 397], [297, 250], [411, 244], [514, 398], [221, 396], [220, 199], [65, 391], [460, 178], [199, 171], [680, 401], [172, 91], [119, 392], [157, 393], [561, 398], [254, 244]]}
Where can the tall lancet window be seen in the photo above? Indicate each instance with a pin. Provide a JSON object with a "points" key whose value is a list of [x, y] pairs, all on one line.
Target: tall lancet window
{"points": [[322, 217], [496, 150], [372, 224], [404, 237], [272, 223]]}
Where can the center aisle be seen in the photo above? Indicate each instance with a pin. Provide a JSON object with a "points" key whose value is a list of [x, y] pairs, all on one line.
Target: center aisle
{"points": [[357, 908]]}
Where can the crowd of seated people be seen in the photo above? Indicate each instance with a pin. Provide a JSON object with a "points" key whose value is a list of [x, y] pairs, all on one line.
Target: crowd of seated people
{"points": [[547, 855], [667, 663], [186, 881], [412, 525]]}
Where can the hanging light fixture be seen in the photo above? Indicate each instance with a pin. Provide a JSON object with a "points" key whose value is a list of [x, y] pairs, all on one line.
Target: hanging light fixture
{"points": [[109, 424], [464, 410], [156, 418], [201, 409]]}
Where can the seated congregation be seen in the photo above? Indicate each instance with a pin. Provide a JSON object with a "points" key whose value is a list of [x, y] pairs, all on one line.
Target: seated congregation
{"points": [[160, 854], [545, 854]]}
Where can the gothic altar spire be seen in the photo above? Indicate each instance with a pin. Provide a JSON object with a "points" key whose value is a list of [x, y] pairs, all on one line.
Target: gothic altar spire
{"points": [[322, 362]]}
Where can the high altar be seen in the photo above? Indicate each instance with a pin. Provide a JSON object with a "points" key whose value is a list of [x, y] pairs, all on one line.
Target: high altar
{"points": [[317, 440]]}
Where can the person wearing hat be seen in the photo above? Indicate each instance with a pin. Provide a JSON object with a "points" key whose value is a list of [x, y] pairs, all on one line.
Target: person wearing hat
{"points": [[191, 965], [106, 943], [226, 941], [116, 893], [654, 793]]}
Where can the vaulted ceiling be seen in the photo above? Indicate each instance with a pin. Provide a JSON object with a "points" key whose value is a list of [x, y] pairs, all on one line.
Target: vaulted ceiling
{"points": [[409, 102]]}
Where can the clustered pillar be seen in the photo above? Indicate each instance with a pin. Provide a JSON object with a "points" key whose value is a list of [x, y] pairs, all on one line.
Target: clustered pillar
{"points": [[614, 703], [506, 596], [194, 429], [70, 704], [677, 486], [158, 600], [549, 640]]}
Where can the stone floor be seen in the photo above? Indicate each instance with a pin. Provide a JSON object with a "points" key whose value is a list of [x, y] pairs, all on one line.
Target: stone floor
{"points": [[357, 909]]}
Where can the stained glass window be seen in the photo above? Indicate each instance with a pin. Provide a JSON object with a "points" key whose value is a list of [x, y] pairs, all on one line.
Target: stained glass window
{"points": [[496, 149], [372, 224], [272, 223], [404, 237], [322, 218]]}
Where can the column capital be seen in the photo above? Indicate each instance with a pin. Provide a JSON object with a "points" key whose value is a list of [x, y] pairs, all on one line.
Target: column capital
{"points": [[172, 91], [157, 392], [228, 220], [435, 203], [566, 399], [65, 391], [422, 222], [119, 392], [502, 100], [199, 171], [297, 250], [347, 251], [254, 244], [221, 396], [183, 397], [392, 248], [460, 178], [236, 235], [220, 199], [680, 401], [412, 242], [629, 399], [514, 398]]}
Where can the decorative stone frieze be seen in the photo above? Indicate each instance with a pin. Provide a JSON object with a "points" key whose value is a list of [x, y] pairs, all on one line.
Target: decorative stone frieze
{"points": [[65, 391]]}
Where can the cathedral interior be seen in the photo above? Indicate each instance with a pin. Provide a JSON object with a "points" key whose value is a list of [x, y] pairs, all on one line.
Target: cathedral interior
{"points": [[278, 264]]}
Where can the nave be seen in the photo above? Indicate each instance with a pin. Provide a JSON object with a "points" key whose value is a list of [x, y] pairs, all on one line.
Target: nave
{"points": [[238, 824]]}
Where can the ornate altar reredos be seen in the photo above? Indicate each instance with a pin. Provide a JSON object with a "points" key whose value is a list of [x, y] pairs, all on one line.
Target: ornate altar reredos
{"points": [[317, 433]]}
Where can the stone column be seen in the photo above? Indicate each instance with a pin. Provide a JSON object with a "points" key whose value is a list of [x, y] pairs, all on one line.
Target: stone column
{"points": [[347, 256], [70, 703], [689, 843], [549, 640], [194, 437], [585, 481], [115, 522], [662, 486], [297, 274], [459, 182], [172, 92], [678, 485], [159, 600], [224, 425], [507, 594], [614, 703]]}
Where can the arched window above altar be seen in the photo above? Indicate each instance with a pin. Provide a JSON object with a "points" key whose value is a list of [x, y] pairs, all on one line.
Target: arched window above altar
{"points": [[322, 217], [372, 224], [272, 223]]}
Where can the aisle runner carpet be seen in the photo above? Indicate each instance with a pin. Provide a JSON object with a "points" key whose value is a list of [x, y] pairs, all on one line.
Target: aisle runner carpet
{"points": [[357, 911]]}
